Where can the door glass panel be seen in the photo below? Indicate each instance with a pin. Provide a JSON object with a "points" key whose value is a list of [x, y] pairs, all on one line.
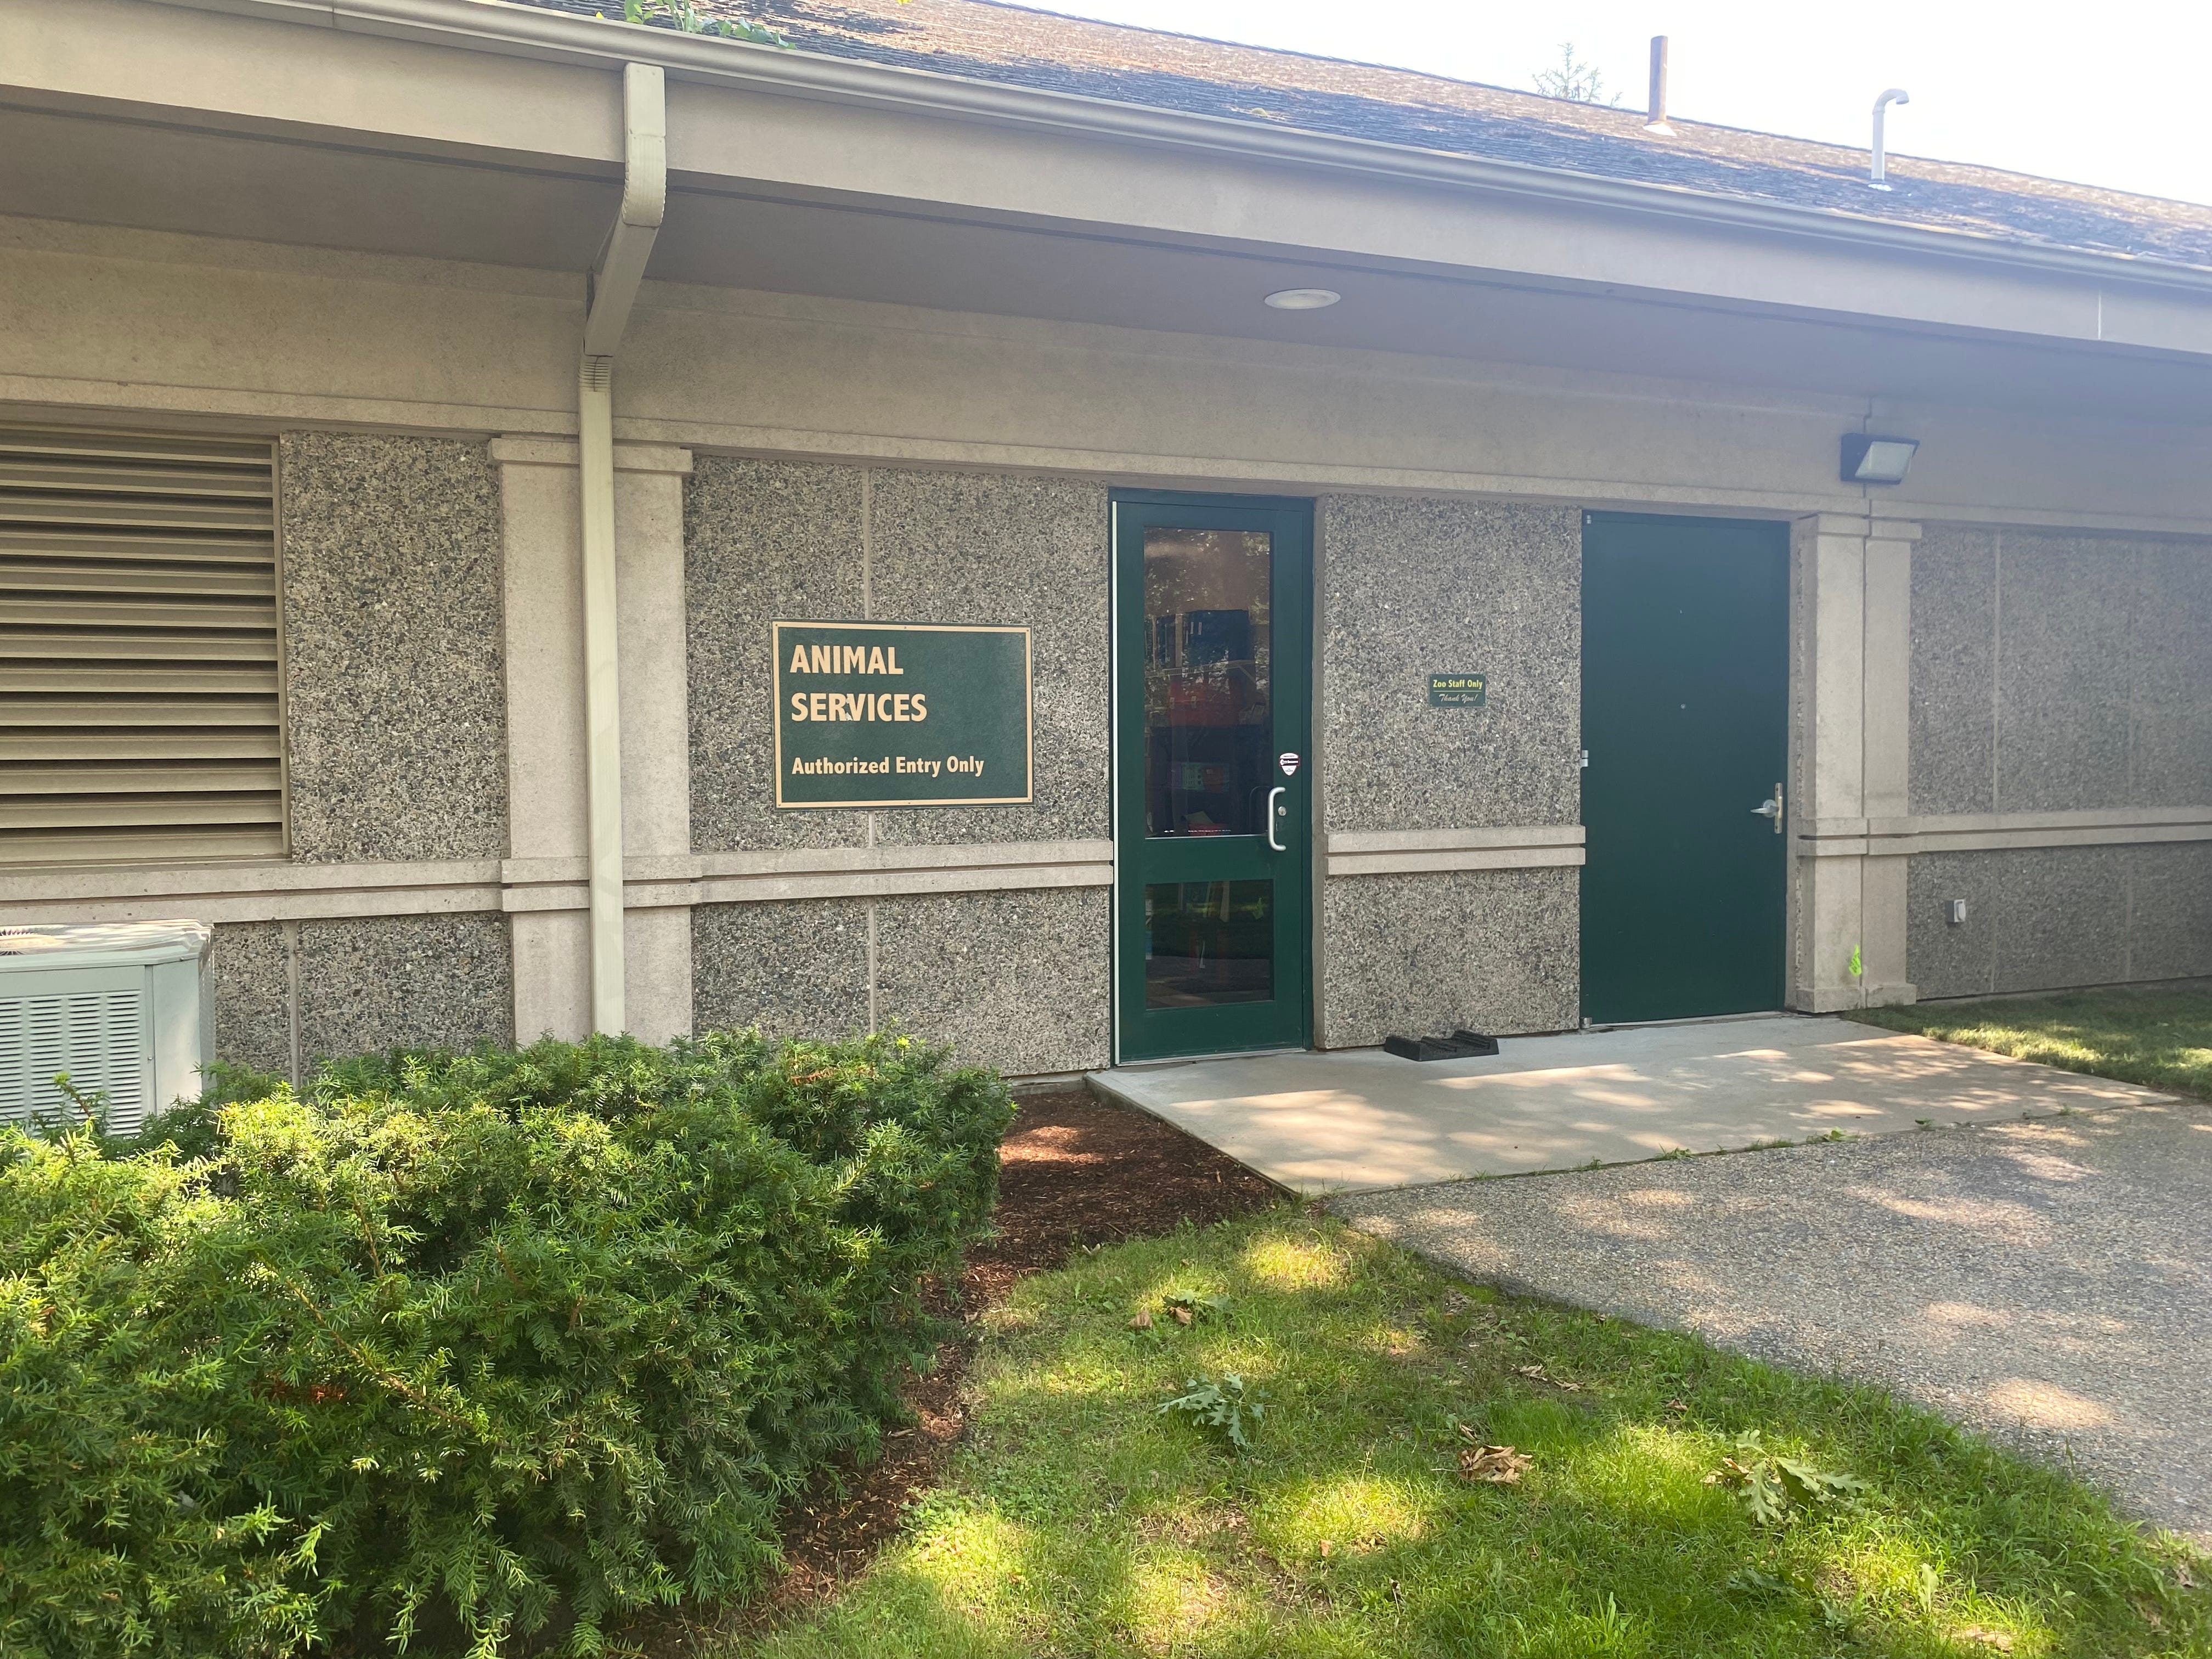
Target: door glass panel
{"points": [[1207, 720], [1208, 942]]}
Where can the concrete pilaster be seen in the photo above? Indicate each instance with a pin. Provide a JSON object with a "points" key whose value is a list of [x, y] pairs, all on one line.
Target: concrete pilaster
{"points": [[656, 736], [543, 877], [1852, 604]]}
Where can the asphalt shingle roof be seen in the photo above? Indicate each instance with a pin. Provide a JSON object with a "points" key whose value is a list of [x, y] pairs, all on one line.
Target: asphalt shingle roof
{"points": [[982, 40]]}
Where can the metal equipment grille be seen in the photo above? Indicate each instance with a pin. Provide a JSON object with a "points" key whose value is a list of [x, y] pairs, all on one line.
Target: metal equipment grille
{"points": [[97, 1037], [139, 712]]}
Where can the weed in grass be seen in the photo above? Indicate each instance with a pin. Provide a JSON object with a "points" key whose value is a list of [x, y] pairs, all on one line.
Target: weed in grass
{"points": [[1186, 1307], [1767, 1484], [1226, 1408], [1750, 1581]]}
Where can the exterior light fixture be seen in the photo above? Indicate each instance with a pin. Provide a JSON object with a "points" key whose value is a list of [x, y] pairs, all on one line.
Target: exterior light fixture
{"points": [[1302, 299], [1876, 460]]}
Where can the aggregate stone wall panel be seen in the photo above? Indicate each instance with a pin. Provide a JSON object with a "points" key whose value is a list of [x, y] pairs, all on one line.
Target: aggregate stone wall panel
{"points": [[1415, 585], [1946, 958], [374, 982], [793, 541], [2066, 607], [1418, 955], [1953, 705], [2059, 672], [763, 542], [2169, 910], [2170, 648], [965, 547], [795, 967], [251, 965], [395, 696], [2064, 917], [1020, 981], [2045, 918]]}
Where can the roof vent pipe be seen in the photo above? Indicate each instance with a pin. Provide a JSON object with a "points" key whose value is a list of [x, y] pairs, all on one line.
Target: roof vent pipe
{"points": [[1656, 122], [1880, 180]]}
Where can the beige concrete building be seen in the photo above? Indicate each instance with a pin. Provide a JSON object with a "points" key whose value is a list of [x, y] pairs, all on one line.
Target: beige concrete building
{"points": [[414, 414]]}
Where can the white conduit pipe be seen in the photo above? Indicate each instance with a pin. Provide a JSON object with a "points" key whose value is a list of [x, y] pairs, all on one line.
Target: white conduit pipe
{"points": [[614, 280]]}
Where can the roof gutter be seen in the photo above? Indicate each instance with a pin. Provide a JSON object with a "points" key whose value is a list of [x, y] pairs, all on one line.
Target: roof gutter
{"points": [[614, 280], [525, 31]]}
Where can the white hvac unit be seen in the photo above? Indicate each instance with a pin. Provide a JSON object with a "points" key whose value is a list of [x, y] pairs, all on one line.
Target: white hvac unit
{"points": [[125, 1008]]}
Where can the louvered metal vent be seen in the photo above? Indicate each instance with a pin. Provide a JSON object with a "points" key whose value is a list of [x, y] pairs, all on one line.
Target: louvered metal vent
{"points": [[138, 668]]}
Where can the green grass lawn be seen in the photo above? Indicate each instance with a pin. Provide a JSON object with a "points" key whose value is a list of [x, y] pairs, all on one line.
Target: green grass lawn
{"points": [[1076, 1520], [2162, 1039]]}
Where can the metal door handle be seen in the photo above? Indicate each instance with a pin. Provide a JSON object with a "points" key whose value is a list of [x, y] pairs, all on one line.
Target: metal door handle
{"points": [[1771, 809], [1274, 795]]}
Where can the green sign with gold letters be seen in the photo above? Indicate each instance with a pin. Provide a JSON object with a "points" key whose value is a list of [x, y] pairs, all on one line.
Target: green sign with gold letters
{"points": [[902, 715], [1458, 690]]}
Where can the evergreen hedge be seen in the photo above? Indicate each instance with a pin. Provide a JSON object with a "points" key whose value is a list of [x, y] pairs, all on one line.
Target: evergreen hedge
{"points": [[463, 1353]]}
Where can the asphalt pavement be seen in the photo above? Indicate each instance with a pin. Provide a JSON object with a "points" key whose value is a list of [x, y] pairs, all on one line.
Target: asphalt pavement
{"points": [[2047, 1282]]}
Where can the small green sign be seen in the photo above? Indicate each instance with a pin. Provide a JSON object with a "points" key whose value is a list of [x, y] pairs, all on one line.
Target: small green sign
{"points": [[901, 714], [1457, 690]]}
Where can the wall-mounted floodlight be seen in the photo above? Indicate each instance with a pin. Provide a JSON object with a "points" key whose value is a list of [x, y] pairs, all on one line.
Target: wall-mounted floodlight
{"points": [[1880, 176], [1874, 460]]}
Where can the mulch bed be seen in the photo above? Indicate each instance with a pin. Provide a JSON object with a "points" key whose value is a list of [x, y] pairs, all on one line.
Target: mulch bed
{"points": [[1074, 1171]]}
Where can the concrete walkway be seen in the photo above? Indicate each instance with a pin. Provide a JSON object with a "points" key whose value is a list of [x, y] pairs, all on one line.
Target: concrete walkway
{"points": [[2046, 1283], [1360, 1118]]}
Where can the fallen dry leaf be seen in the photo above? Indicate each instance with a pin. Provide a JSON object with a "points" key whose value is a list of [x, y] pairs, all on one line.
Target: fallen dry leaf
{"points": [[1537, 1373], [1143, 1321], [1994, 1638], [2182, 1577], [1181, 1315], [1324, 1548], [1678, 1407], [1501, 1466]]}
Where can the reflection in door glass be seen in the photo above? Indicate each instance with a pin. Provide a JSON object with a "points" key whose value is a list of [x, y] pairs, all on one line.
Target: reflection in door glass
{"points": [[1209, 942], [1206, 715]]}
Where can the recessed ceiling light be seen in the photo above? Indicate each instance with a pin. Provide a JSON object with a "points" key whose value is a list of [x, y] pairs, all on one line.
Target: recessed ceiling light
{"points": [[1302, 299]]}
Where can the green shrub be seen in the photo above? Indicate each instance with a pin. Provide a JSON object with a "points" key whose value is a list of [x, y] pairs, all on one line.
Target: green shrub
{"points": [[455, 1351]]}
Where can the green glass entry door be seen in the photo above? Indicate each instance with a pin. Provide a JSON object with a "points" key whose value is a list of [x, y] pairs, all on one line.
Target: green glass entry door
{"points": [[1213, 773], [1685, 698]]}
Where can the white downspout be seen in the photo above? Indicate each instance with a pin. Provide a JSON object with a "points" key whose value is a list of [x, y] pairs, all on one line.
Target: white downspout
{"points": [[615, 279]]}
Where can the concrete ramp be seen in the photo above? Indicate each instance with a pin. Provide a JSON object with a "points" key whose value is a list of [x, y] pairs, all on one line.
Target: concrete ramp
{"points": [[1360, 1120]]}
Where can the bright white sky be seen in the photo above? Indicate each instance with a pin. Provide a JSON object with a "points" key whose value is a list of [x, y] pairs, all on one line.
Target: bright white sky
{"points": [[2103, 92]]}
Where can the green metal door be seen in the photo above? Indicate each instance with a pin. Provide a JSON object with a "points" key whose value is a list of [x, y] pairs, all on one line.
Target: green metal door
{"points": [[1214, 772], [1686, 699]]}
